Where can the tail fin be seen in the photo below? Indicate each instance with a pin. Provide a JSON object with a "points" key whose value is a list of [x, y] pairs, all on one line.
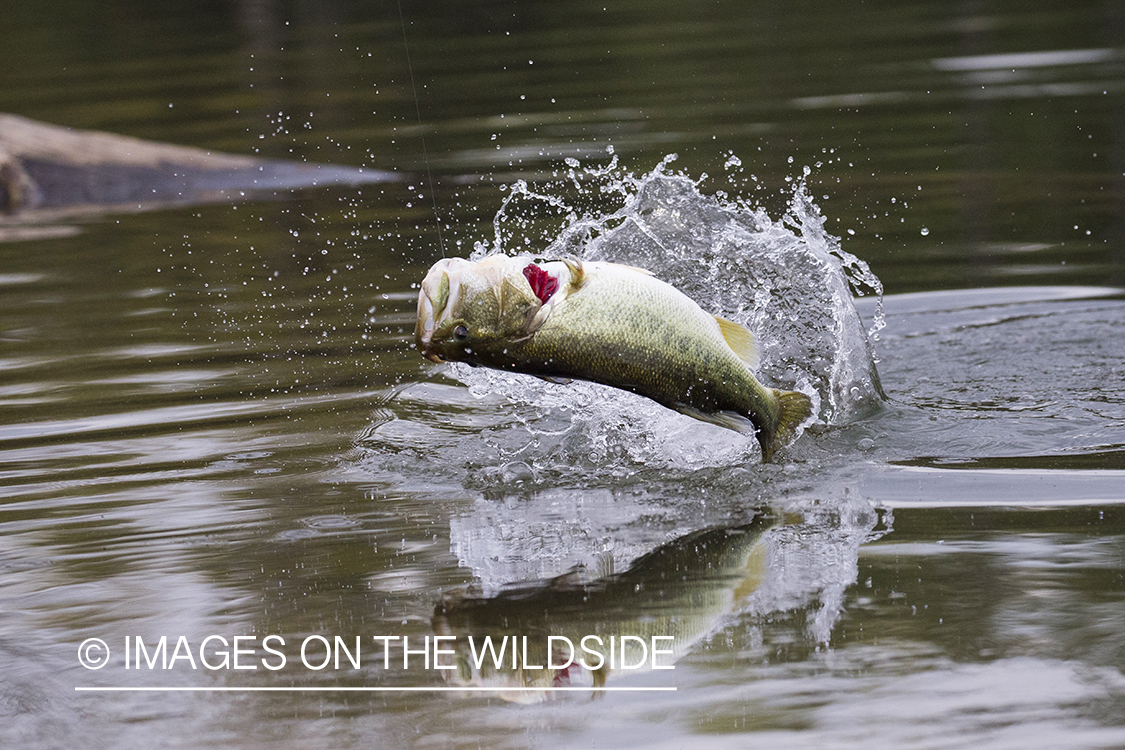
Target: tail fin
{"points": [[794, 408]]}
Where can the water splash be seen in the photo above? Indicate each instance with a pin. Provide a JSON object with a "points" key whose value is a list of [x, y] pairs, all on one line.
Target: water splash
{"points": [[789, 281]]}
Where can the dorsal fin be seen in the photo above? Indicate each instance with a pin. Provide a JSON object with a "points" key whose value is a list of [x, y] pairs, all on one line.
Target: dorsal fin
{"points": [[577, 273], [739, 338]]}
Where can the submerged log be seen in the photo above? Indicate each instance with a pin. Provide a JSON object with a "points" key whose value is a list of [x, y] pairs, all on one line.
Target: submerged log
{"points": [[55, 169]]}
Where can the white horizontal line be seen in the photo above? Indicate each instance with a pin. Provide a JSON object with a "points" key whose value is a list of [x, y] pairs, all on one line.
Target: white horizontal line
{"points": [[433, 689], [1024, 59]]}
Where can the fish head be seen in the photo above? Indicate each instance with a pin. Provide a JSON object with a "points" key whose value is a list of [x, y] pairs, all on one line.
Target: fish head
{"points": [[509, 672], [472, 311]]}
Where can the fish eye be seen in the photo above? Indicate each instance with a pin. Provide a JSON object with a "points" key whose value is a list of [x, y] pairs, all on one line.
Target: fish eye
{"points": [[461, 333]]}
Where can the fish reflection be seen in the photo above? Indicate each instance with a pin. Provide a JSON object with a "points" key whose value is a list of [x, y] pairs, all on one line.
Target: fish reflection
{"points": [[567, 632]]}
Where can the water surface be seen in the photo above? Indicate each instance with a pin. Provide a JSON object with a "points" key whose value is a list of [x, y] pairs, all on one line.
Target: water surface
{"points": [[212, 420]]}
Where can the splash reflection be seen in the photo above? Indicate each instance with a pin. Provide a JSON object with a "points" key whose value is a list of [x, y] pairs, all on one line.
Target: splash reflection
{"points": [[590, 624]]}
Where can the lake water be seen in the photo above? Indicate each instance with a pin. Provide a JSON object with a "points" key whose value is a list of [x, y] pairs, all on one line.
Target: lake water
{"points": [[213, 421]]}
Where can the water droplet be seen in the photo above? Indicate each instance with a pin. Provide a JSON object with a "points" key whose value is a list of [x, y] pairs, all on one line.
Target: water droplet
{"points": [[925, 231]]}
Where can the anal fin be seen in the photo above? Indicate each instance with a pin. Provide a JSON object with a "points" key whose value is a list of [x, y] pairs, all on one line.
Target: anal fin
{"points": [[728, 419], [556, 379]]}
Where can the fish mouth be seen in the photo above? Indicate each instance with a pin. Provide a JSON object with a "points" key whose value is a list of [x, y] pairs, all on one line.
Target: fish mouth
{"points": [[438, 297], [424, 328]]}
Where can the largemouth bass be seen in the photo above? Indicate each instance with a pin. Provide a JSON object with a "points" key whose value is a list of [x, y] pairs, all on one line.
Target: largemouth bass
{"points": [[607, 323]]}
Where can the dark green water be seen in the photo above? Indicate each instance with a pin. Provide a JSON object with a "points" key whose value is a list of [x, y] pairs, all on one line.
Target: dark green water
{"points": [[213, 422]]}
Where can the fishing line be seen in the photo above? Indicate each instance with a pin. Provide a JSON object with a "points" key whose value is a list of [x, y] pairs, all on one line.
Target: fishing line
{"points": [[421, 130]]}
